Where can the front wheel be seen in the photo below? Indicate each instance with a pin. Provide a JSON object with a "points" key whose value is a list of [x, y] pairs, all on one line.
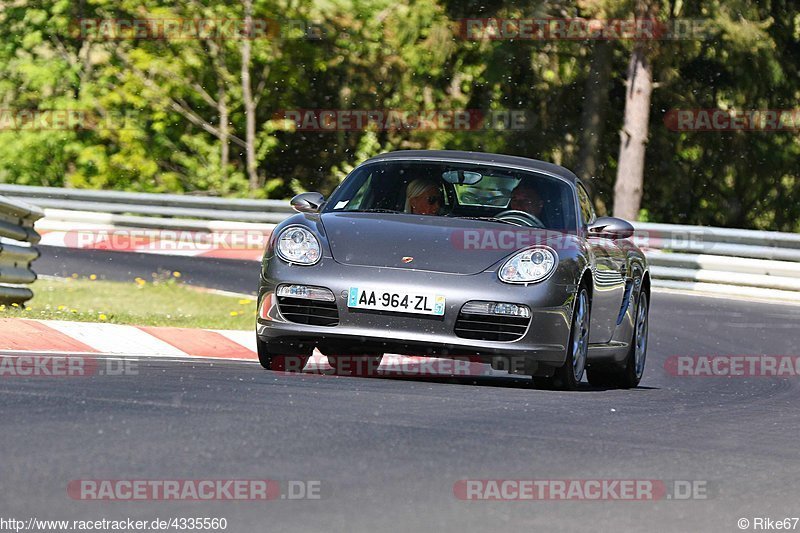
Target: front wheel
{"points": [[570, 374], [630, 373], [279, 362]]}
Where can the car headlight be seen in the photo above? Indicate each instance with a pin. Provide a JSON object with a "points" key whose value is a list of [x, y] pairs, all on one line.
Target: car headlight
{"points": [[528, 266], [298, 245]]}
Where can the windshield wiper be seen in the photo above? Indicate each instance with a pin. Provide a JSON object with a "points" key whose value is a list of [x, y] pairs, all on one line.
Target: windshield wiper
{"points": [[376, 210], [490, 219]]}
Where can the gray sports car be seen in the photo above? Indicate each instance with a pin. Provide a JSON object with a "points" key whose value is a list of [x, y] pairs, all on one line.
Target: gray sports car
{"points": [[454, 254]]}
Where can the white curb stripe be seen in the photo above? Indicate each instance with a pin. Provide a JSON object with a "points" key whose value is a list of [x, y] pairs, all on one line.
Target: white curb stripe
{"points": [[317, 363], [243, 338], [115, 338]]}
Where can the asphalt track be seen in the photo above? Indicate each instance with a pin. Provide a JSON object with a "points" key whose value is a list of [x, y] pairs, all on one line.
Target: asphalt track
{"points": [[388, 451]]}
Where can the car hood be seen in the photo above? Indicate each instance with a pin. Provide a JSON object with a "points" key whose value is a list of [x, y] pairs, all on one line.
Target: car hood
{"points": [[436, 244]]}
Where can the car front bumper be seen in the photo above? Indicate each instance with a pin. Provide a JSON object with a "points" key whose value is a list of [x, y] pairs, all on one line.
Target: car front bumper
{"points": [[361, 331]]}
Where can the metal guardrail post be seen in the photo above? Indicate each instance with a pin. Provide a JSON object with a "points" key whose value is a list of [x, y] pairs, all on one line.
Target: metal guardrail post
{"points": [[16, 223]]}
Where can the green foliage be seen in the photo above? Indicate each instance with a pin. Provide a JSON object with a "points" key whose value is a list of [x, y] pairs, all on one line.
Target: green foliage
{"points": [[161, 101]]}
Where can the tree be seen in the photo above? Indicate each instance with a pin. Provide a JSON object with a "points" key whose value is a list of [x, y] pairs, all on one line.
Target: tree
{"points": [[195, 127], [593, 114], [249, 103], [636, 123]]}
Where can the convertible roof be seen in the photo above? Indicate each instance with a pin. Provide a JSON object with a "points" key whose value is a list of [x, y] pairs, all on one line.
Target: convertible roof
{"points": [[478, 157]]}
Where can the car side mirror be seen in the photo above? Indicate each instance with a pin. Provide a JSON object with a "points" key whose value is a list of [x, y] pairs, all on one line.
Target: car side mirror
{"points": [[307, 202], [611, 228]]}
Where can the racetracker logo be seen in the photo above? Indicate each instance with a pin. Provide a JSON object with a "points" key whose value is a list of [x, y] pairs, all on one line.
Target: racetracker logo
{"points": [[733, 366], [517, 238], [193, 489], [579, 489], [392, 366], [732, 120], [51, 366], [123, 239], [182, 29], [579, 29], [64, 120], [322, 120], [511, 239]]}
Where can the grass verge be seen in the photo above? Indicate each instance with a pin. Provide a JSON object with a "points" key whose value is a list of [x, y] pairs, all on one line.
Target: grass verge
{"points": [[160, 303]]}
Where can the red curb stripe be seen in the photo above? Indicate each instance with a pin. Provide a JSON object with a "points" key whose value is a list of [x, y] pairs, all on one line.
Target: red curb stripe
{"points": [[201, 343], [32, 336], [221, 253]]}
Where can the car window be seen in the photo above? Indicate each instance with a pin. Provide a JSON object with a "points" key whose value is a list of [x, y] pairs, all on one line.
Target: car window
{"points": [[391, 185], [491, 190], [358, 200], [587, 209]]}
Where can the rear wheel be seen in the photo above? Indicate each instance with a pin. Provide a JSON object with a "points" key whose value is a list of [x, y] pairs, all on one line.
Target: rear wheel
{"points": [[355, 365], [629, 374], [570, 374], [279, 362]]}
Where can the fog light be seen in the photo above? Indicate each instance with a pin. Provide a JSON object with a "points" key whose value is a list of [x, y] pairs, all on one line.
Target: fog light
{"points": [[266, 306], [496, 308], [307, 292]]}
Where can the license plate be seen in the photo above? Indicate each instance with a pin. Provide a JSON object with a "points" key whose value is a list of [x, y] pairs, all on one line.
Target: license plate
{"points": [[418, 303]]}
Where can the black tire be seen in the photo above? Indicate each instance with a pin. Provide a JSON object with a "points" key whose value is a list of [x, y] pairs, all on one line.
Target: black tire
{"points": [[565, 377], [355, 365], [627, 375], [280, 362]]}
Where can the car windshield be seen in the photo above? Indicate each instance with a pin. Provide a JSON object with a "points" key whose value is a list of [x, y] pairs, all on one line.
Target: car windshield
{"points": [[465, 190]]}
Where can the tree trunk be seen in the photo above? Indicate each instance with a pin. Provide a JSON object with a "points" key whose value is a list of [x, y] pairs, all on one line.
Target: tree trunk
{"points": [[593, 114], [249, 104], [225, 149], [633, 137]]}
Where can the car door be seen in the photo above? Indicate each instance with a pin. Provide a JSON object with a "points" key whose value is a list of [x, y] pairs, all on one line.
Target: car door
{"points": [[608, 275]]}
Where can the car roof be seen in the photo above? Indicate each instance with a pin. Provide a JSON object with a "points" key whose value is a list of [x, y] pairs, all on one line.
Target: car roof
{"points": [[477, 157]]}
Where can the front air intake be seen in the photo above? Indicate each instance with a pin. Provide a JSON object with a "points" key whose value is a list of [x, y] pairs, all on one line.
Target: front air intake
{"points": [[492, 321], [314, 306]]}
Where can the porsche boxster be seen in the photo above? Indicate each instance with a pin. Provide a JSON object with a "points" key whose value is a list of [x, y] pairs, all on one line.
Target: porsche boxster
{"points": [[457, 254]]}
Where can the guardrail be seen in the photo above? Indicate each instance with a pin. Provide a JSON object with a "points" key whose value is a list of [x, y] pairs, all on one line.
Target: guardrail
{"points": [[699, 258], [722, 260], [16, 224], [151, 205]]}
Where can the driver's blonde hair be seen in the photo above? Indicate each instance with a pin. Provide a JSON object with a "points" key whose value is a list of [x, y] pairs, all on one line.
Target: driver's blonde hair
{"points": [[416, 188]]}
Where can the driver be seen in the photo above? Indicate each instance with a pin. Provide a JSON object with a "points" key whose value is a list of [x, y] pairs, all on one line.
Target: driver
{"points": [[423, 197], [526, 198]]}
